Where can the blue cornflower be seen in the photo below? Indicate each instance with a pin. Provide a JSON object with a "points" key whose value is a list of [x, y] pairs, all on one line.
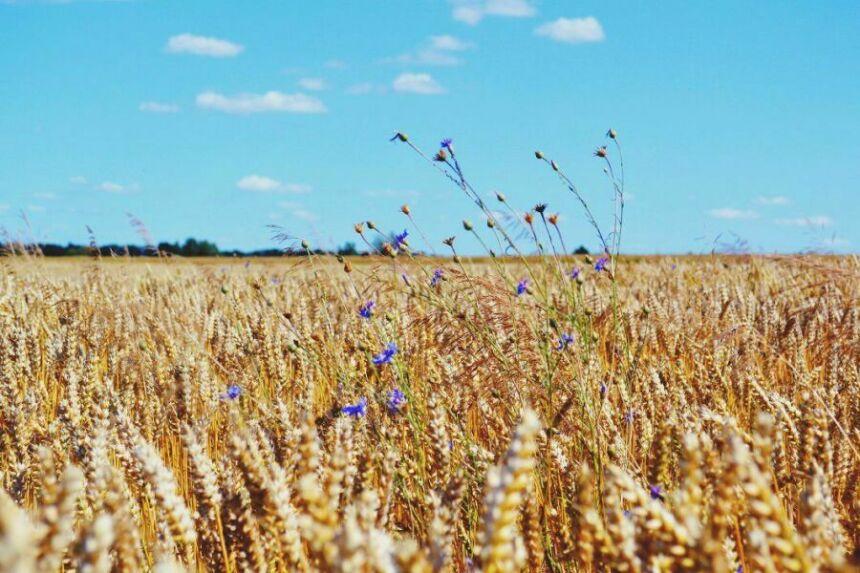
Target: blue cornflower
{"points": [[437, 276], [656, 492], [446, 143], [386, 355], [366, 310], [565, 341], [357, 410], [400, 239], [233, 392], [574, 273], [628, 417], [522, 287], [396, 400], [603, 389], [600, 265]]}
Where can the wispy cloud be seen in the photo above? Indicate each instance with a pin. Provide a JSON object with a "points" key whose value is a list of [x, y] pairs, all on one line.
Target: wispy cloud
{"points": [[111, 187], [261, 183], [423, 84], [78, 180], [272, 101], [203, 46], [312, 84], [572, 30], [473, 11], [774, 200], [730, 213], [158, 107], [298, 211], [335, 64], [813, 221], [45, 195], [436, 51]]}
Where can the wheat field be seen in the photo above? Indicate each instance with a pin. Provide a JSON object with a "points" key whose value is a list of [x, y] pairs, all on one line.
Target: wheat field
{"points": [[414, 414]]}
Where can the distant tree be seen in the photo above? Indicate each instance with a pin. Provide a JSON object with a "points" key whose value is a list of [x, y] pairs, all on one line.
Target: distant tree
{"points": [[195, 248], [347, 249], [581, 250]]}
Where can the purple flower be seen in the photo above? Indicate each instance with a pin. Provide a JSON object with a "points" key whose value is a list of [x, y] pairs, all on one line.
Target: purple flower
{"points": [[400, 239], [600, 265], [628, 417], [574, 273], [603, 389], [656, 492], [565, 341], [522, 287], [396, 400], [437, 276], [446, 143], [386, 355], [366, 310], [357, 410], [233, 392]]}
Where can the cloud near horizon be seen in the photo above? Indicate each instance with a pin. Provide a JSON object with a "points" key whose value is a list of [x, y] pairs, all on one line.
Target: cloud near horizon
{"points": [[261, 183], [203, 46], [271, 101]]}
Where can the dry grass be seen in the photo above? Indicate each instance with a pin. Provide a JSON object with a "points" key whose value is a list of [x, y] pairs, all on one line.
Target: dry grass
{"points": [[705, 418]]}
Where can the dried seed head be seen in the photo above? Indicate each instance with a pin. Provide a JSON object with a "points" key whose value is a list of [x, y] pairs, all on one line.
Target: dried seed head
{"points": [[359, 228], [528, 218], [600, 151], [467, 225], [538, 154], [405, 209], [500, 196], [553, 219], [612, 134]]}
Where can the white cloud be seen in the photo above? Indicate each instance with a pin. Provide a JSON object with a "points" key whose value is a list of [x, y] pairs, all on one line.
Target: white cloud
{"points": [[473, 11], [362, 88], [258, 183], [423, 84], [814, 221], [46, 195], [271, 101], [111, 187], [729, 213], [774, 200], [449, 43], [3, 207], [437, 51], [312, 84], [572, 30], [202, 46], [265, 184], [36, 208], [158, 107], [335, 64], [78, 180]]}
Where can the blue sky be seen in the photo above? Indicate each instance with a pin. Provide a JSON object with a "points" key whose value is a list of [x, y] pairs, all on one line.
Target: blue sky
{"points": [[215, 119]]}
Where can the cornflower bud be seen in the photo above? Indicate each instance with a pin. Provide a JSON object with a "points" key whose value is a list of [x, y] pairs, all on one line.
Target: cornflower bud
{"points": [[405, 209], [538, 154], [467, 225]]}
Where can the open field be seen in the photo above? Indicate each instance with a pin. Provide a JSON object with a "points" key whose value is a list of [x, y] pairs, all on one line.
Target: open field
{"points": [[662, 414]]}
